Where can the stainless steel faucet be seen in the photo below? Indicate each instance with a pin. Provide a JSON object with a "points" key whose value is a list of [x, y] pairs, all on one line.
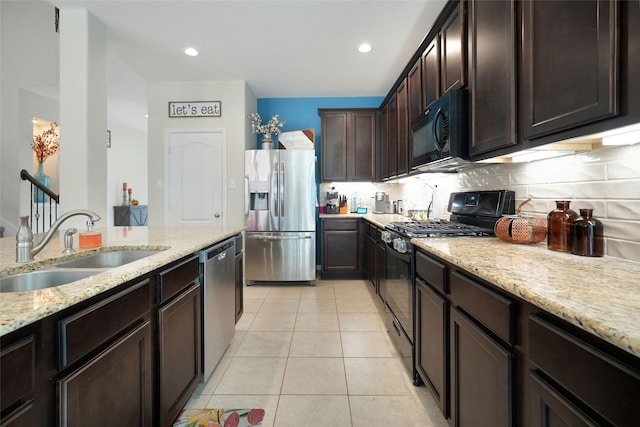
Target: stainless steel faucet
{"points": [[25, 251]]}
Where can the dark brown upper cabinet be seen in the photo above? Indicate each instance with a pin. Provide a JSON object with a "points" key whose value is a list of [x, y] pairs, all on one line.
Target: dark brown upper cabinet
{"points": [[384, 143], [492, 75], [414, 86], [349, 144], [570, 64], [403, 128], [453, 50], [431, 72], [392, 137]]}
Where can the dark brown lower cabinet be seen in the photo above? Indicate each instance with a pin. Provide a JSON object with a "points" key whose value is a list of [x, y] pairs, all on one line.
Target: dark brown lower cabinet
{"points": [[17, 369], [239, 284], [179, 345], [431, 342], [481, 377], [550, 409], [343, 248], [114, 388]]}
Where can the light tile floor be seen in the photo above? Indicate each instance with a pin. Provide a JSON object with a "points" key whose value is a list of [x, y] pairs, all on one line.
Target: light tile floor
{"points": [[316, 356]]}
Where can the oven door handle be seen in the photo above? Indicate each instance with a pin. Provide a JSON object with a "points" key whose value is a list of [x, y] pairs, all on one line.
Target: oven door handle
{"points": [[406, 257]]}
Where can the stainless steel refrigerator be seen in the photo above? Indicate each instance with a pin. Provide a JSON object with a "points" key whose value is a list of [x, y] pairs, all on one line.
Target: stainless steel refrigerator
{"points": [[280, 216]]}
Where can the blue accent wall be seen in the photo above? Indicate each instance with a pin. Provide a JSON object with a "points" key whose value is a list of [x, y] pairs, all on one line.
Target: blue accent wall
{"points": [[302, 113]]}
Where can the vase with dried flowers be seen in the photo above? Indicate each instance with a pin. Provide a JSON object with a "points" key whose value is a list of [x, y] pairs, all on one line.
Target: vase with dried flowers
{"points": [[44, 145], [274, 126]]}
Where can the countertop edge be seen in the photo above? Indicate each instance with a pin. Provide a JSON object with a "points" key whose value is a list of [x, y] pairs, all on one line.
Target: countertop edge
{"points": [[43, 303]]}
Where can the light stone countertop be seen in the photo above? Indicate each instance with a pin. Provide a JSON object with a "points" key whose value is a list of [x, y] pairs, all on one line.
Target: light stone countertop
{"points": [[599, 295], [18, 309]]}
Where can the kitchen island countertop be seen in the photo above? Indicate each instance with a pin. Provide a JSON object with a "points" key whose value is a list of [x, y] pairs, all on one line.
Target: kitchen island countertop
{"points": [[18, 309], [599, 295]]}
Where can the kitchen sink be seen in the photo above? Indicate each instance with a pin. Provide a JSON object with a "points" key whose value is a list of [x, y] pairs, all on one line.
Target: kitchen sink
{"points": [[107, 259], [42, 279]]}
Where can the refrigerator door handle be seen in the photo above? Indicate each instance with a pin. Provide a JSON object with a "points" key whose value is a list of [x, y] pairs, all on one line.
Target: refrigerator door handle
{"points": [[253, 237], [275, 185], [282, 188]]}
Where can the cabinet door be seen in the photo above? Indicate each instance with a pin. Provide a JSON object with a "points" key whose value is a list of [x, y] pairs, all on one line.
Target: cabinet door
{"points": [[403, 128], [550, 409], [114, 388], [431, 72], [481, 377], [431, 342], [334, 146], [340, 250], [361, 147], [17, 385], [453, 51], [492, 75], [384, 144], [570, 64], [392, 138], [180, 346], [372, 267], [414, 82], [239, 287]]}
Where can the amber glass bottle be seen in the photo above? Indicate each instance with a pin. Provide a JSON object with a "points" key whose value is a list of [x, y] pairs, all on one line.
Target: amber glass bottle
{"points": [[587, 235], [559, 227]]}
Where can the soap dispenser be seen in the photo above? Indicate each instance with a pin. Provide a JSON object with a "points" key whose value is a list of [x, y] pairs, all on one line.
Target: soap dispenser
{"points": [[90, 238]]}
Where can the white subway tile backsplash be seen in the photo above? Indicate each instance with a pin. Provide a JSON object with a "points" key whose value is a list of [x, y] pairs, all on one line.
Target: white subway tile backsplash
{"points": [[629, 189], [623, 249], [623, 230], [552, 191], [623, 209]]}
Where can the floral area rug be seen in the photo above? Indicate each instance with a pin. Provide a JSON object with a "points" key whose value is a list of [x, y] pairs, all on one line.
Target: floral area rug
{"points": [[220, 418]]}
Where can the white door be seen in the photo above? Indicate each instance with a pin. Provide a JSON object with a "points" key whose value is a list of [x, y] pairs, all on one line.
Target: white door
{"points": [[195, 177]]}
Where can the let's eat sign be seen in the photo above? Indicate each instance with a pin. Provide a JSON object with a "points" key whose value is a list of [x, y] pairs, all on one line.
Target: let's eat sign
{"points": [[195, 109]]}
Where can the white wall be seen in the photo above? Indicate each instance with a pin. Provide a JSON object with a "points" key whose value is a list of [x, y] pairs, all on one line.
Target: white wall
{"points": [[29, 69], [236, 100], [127, 162]]}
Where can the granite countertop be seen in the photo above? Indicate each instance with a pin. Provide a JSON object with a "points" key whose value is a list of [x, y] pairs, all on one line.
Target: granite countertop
{"points": [[599, 295], [18, 309]]}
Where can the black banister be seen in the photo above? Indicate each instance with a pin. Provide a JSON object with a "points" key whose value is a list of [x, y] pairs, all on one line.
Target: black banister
{"points": [[38, 221], [28, 177]]}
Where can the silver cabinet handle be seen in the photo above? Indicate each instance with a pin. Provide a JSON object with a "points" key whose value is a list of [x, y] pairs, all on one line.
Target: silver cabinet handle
{"points": [[278, 238]]}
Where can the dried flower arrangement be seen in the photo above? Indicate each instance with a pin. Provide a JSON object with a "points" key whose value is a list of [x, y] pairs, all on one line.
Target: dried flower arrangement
{"points": [[46, 144], [273, 127]]}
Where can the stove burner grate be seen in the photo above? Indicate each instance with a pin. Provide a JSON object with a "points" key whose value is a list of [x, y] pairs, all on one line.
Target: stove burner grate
{"points": [[439, 229]]}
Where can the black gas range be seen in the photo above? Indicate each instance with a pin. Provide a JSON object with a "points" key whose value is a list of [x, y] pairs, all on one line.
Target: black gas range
{"points": [[472, 214]]}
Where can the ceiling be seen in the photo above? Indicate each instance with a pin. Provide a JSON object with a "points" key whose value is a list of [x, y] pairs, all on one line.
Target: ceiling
{"points": [[285, 48]]}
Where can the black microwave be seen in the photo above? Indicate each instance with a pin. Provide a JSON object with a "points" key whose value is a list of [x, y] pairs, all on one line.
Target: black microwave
{"points": [[440, 136]]}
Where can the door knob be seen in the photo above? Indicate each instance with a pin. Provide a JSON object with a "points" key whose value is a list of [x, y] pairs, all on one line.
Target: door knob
{"points": [[217, 215]]}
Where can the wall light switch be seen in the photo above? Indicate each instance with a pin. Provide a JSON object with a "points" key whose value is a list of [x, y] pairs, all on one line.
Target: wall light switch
{"points": [[232, 183], [159, 184]]}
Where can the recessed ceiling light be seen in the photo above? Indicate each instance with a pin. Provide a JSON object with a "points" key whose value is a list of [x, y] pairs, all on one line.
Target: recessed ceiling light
{"points": [[364, 48], [191, 51]]}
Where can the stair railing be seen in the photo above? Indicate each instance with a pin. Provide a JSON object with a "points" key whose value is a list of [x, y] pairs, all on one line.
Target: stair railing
{"points": [[39, 191]]}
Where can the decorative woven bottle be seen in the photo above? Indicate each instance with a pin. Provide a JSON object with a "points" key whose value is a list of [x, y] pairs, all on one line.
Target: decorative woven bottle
{"points": [[587, 235], [559, 227]]}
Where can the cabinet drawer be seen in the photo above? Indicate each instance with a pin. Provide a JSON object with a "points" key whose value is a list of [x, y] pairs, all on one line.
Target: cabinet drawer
{"points": [[602, 383], [88, 329], [374, 232], [432, 271], [341, 224], [17, 372], [489, 308], [174, 279]]}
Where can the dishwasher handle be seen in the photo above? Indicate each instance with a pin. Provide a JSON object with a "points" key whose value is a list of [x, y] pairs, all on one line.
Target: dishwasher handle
{"points": [[207, 254]]}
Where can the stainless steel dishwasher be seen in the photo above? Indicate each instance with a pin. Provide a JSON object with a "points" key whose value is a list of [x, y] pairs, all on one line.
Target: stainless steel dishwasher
{"points": [[217, 274]]}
